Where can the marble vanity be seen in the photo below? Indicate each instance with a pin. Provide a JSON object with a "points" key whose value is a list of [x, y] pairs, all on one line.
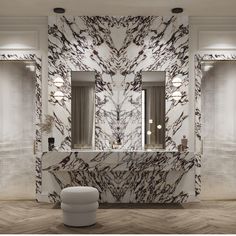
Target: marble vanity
{"points": [[123, 176]]}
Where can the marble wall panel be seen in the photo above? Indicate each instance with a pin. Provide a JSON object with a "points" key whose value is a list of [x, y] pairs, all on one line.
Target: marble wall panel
{"points": [[118, 49]]}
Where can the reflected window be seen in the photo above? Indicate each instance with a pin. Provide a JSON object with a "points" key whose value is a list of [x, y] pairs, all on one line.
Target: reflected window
{"points": [[83, 109], [153, 109]]}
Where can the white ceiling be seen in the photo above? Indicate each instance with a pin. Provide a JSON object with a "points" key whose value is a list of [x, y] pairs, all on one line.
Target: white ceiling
{"points": [[117, 7]]}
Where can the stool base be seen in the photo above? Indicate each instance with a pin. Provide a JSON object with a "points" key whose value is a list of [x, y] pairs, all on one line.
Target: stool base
{"points": [[79, 219]]}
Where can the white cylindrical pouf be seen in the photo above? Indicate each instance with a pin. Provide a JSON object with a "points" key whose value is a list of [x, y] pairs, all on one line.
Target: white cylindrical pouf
{"points": [[79, 205]]}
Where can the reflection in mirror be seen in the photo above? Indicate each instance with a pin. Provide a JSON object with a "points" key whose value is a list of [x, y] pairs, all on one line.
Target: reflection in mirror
{"points": [[153, 109], [82, 109], [17, 128], [218, 127]]}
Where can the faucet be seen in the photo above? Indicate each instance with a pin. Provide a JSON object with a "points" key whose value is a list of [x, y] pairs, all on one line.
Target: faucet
{"points": [[117, 143]]}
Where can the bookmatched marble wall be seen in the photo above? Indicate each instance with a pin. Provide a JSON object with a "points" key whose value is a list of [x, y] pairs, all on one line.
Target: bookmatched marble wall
{"points": [[118, 49]]}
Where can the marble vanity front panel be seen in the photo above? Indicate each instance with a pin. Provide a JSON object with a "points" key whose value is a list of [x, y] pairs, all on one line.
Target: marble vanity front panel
{"points": [[146, 177]]}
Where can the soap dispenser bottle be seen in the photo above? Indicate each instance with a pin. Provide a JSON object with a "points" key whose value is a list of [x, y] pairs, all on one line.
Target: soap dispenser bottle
{"points": [[184, 143]]}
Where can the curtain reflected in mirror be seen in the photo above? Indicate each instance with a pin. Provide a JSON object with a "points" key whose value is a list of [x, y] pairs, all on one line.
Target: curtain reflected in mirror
{"points": [[82, 110], [153, 109]]}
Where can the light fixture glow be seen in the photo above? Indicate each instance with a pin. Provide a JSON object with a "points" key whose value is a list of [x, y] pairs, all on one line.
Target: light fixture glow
{"points": [[207, 67], [177, 81], [58, 95], [30, 67], [159, 126], [58, 81], [150, 121], [176, 95], [149, 132]]}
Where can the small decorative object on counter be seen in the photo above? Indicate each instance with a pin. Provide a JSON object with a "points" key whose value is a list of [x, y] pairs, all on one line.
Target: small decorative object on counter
{"points": [[179, 148], [184, 143], [116, 144], [51, 142], [46, 127]]}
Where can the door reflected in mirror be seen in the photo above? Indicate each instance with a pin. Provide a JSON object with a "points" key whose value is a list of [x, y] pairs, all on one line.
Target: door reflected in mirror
{"points": [[153, 109], [83, 109]]}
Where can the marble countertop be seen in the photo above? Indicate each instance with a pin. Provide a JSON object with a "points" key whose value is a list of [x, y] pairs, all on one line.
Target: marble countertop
{"points": [[117, 161], [116, 150]]}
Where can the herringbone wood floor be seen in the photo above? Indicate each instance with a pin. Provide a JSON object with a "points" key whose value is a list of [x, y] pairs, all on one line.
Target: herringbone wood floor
{"points": [[205, 217]]}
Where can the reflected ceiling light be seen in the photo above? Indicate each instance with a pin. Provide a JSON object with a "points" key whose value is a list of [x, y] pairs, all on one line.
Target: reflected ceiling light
{"points": [[177, 81], [176, 95], [149, 132], [177, 10], [30, 67], [58, 81], [207, 67], [159, 126], [150, 121], [59, 10], [58, 95]]}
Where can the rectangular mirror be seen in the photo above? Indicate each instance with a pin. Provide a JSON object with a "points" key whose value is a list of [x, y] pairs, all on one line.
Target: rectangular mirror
{"points": [[83, 109], [153, 109]]}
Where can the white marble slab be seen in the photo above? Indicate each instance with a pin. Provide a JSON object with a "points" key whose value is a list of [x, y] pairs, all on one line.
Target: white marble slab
{"points": [[123, 176]]}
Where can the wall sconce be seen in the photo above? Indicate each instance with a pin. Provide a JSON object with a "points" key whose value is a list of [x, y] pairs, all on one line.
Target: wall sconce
{"points": [[177, 81], [176, 95], [58, 95], [149, 132], [58, 81]]}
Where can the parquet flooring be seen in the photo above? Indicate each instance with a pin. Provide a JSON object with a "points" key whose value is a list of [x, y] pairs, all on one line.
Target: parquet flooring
{"points": [[205, 217]]}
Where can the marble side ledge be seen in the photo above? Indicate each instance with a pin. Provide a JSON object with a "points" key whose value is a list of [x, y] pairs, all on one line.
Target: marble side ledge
{"points": [[117, 161]]}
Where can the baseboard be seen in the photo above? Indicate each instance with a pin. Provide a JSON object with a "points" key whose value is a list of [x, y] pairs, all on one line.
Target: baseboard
{"points": [[192, 198], [42, 197]]}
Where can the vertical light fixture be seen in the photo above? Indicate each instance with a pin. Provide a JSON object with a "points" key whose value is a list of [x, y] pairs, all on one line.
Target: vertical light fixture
{"points": [[176, 95], [58, 81], [177, 81], [58, 95]]}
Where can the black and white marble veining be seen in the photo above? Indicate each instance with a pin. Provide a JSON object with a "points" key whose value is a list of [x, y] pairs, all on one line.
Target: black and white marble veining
{"points": [[123, 176], [38, 108], [117, 49], [199, 58]]}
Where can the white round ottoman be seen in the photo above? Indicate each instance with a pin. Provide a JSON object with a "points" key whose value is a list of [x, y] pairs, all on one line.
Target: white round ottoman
{"points": [[79, 205]]}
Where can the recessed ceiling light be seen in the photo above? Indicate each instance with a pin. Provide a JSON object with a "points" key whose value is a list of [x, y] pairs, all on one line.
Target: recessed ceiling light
{"points": [[59, 10], [177, 10]]}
